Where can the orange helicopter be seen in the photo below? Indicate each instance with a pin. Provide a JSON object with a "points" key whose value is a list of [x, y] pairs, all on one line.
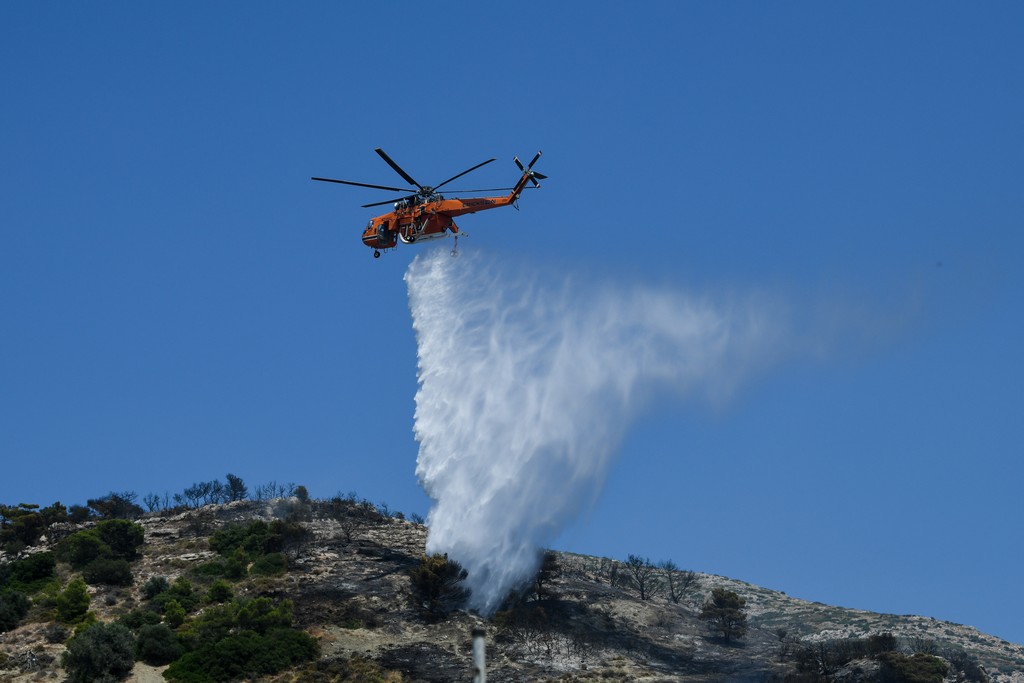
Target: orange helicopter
{"points": [[427, 215]]}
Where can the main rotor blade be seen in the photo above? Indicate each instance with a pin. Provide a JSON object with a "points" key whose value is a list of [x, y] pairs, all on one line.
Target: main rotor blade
{"points": [[398, 169], [464, 173], [490, 189], [390, 201], [376, 187]]}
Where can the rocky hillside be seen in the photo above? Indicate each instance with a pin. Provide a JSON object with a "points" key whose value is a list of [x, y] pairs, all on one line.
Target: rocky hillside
{"points": [[348, 574]]}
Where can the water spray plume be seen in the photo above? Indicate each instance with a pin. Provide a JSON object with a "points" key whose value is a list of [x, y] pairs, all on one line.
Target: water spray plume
{"points": [[528, 383]]}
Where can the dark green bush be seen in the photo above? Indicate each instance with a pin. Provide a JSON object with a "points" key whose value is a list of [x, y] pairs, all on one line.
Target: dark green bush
{"points": [[79, 513], [54, 514], [154, 587], [243, 655], [254, 538], [20, 526], [28, 575], [243, 638], [113, 538], [157, 645], [26, 572], [122, 537], [260, 542], [212, 568], [180, 591], [108, 571], [272, 564], [882, 642], [437, 584], [79, 549], [262, 615], [237, 566], [14, 606], [918, 668], [102, 652], [724, 614], [291, 536], [138, 618], [220, 591], [967, 667]]}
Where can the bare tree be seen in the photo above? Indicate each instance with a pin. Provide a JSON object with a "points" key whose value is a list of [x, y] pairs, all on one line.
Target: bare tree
{"points": [[152, 501], [350, 515], [273, 489], [679, 582], [195, 493], [642, 575]]}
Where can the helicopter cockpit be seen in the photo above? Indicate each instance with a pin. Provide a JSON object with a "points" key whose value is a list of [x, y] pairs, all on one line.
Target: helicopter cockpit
{"points": [[415, 200]]}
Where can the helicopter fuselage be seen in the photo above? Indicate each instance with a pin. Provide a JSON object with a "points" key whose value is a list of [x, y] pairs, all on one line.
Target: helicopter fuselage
{"points": [[420, 221]]}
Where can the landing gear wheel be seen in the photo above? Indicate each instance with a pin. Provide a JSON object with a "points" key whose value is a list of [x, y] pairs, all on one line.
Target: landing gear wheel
{"points": [[376, 254]]}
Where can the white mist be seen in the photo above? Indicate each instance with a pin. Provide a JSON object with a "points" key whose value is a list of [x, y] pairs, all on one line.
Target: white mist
{"points": [[528, 382]]}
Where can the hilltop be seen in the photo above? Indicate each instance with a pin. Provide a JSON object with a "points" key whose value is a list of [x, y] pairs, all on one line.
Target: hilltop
{"points": [[341, 572]]}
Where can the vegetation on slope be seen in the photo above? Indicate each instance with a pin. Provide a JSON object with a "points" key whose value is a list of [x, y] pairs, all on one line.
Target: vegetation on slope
{"points": [[216, 585]]}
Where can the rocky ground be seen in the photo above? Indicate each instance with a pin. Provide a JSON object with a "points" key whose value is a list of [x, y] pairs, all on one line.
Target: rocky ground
{"points": [[351, 589]]}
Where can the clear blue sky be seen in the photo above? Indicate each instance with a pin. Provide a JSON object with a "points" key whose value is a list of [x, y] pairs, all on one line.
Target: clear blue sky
{"points": [[178, 300]]}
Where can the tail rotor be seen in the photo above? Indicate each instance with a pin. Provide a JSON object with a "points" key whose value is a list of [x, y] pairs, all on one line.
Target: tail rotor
{"points": [[528, 170]]}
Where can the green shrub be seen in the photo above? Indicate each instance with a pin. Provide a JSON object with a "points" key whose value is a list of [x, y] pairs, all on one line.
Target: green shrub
{"points": [[157, 645], [255, 538], [14, 606], [102, 652], [237, 566], [154, 587], [212, 568], [272, 564], [73, 602], [262, 615], [79, 513], [220, 591], [122, 537], [243, 638], [174, 613], [20, 526], [180, 591], [138, 618], [918, 668], [724, 614], [28, 575], [54, 513], [79, 549], [87, 620], [437, 584], [112, 538], [109, 571], [243, 655]]}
